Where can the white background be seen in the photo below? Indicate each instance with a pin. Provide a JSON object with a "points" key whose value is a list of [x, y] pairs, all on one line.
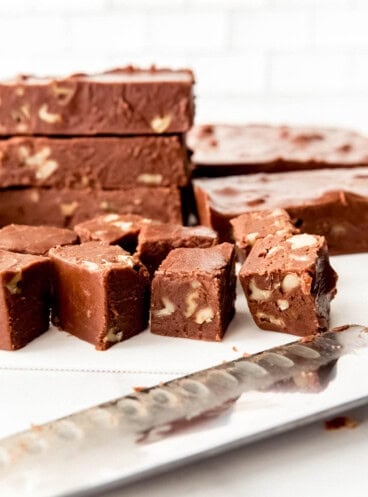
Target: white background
{"points": [[255, 60], [296, 61]]}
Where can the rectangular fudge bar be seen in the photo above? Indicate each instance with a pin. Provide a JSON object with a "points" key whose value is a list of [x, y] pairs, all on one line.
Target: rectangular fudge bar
{"points": [[100, 162], [289, 284], [193, 293], [328, 202], [65, 208], [36, 240], [122, 101], [101, 293], [252, 226], [222, 150], [156, 240], [114, 229], [25, 298]]}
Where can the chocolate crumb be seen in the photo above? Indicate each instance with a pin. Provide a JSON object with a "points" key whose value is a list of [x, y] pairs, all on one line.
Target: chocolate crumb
{"points": [[340, 422]]}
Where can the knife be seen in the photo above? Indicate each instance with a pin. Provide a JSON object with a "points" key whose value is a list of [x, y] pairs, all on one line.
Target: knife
{"points": [[199, 414]]}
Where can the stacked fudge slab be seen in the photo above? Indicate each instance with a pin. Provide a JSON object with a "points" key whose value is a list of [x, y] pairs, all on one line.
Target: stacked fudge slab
{"points": [[328, 202], [222, 150], [80, 146]]}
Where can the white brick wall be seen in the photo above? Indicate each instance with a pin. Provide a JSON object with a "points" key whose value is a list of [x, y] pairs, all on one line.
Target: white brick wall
{"points": [[259, 60]]}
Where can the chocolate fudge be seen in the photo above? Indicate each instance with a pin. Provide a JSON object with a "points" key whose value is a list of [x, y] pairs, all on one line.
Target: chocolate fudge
{"points": [[328, 202], [101, 293], [289, 283], [156, 240], [252, 226], [114, 229], [193, 293], [122, 101], [101, 162], [222, 150], [66, 208], [36, 240], [25, 298]]}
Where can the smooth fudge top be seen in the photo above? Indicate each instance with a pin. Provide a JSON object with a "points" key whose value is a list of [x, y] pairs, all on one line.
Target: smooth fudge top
{"points": [[234, 195], [211, 260], [251, 226], [156, 231], [111, 228], [122, 101], [15, 263], [279, 147], [37, 240], [95, 256]]}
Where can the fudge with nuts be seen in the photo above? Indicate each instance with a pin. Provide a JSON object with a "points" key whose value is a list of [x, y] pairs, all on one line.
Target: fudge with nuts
{"points": [[65, 207], [193, 293], [25, 298], [222, 150], [328, 202], [252, 226], [99, 162], [36, 240], [114, 229], [124, 101], [156, 240], [101, 293], [289, 283]]}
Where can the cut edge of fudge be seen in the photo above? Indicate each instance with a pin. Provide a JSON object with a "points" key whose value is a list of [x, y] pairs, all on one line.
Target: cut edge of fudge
{"points": [[289, 283], [101, 293], [25, 298], [193, 293]]}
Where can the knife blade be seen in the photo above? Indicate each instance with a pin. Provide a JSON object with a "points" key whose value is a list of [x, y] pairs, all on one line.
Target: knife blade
{"points": [[115, 441]]}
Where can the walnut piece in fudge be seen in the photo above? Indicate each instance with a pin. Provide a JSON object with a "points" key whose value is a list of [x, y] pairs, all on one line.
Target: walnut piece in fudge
{"points": [[25, 298], [156, 240], [37, 240], [101, 293], [289, 284], [193, 293], [252, 226], [114, 229]]}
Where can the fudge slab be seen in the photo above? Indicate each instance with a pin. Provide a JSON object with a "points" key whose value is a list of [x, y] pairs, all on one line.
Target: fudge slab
{"points": [[252, 226], [101, 293], [114, 229], [99, 162], [156, 240], [25, 298], [122, 101], [36, 240], [289, 284], [328, 202], [221, 150], [193, 293], [65, 208]]}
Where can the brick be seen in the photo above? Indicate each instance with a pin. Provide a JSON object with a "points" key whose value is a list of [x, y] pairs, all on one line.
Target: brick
{"points": [[107, 32], [187, 30], [271, 29], [308, 73]]}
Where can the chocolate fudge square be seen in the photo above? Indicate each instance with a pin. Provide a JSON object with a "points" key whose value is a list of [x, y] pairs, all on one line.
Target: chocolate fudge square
{"points": [[156, 240], [252, 226], [25, 298], [289, 284], [114, 229], [193, 293], [101, 293], [36, 240]]}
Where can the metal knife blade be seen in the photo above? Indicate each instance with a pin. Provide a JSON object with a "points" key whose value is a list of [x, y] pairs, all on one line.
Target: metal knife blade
{"points": [[116, 441]]}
